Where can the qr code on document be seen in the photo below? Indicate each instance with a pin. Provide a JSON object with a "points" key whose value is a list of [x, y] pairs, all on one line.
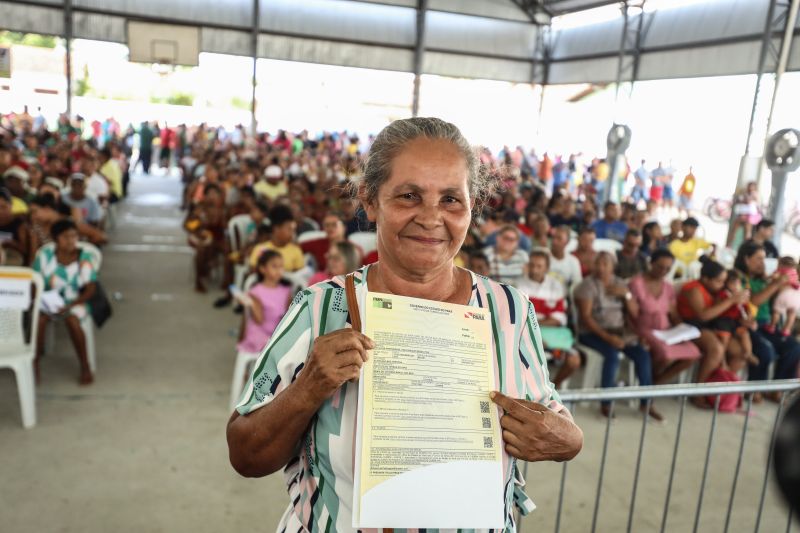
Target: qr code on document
{"points": [[484, 407], [487, 442], [487, 423]]}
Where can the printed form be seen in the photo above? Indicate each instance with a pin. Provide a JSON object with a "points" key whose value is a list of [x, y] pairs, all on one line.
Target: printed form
{"points": [[428, 438]]}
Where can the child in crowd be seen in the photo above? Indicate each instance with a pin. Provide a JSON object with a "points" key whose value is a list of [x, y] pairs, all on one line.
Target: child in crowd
{"points": [[738, 320], [479, 264], [266, 302], [787, 303], [205, 224]]}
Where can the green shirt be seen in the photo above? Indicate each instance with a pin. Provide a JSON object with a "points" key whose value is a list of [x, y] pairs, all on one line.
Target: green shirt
{"points": [[757, 285]]}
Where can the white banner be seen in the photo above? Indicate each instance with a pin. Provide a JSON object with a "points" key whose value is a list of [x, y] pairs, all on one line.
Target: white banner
{"points": [[15, 292]]}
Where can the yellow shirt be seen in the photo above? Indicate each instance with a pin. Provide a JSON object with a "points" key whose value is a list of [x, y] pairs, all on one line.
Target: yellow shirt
{"points": [[18, 206], [292, 255], [266, 189], [686, 252], [113, 174]]}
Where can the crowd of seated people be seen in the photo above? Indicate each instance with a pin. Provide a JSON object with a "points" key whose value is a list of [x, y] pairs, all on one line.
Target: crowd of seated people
{"points": [[605, 284], [57, 190], [603, 278]]}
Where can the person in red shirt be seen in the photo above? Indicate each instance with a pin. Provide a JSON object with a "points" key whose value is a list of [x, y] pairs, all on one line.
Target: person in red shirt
{"points": [[334, 230]]}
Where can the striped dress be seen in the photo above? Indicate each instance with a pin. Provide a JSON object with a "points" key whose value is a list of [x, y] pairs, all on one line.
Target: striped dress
{"points": [[319, 478]]}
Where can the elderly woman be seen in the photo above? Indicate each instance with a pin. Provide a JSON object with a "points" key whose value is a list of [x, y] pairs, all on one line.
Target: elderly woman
{"points": [[69, 270], [657, 311], [299, 411], [507, 261], [603, 300], [768, 347]]}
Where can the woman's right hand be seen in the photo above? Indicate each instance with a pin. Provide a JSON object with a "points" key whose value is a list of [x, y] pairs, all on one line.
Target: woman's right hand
{"points": [[335, 358]]}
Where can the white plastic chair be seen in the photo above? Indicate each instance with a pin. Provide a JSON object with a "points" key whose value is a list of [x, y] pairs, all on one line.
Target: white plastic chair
{"points": [[87, 324], [607, 245], [366, 240], [241, 370], [237, 231], [313, 235], [16, 352]]}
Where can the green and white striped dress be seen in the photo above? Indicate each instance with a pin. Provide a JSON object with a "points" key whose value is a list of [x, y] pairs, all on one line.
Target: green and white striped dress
{"points": [[319, 478]]}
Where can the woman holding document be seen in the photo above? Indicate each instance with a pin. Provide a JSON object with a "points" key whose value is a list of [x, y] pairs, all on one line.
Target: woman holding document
{"points": [[299, 411], [657, 311]]}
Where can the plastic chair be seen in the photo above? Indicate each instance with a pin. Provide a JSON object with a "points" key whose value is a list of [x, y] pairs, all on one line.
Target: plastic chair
{"points": [[607, 245], [16, 352], [313, 235], [237, 231], [240, 372], [366, 240]]}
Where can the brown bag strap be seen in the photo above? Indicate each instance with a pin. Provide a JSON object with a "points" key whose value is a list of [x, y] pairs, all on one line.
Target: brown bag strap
{"points": [[352, 301]]}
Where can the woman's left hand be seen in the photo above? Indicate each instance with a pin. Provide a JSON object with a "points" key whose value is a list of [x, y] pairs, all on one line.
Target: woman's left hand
{"points": [[532, 432]]}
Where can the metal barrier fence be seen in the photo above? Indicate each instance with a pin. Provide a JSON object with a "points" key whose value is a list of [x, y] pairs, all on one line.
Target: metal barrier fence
{"points": [[572, 397]]}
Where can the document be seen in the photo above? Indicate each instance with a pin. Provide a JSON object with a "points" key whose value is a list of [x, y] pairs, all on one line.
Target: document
{"points": [[428, 443], [680, 333]]}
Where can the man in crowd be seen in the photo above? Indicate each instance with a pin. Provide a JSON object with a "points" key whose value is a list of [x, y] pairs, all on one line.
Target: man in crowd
{"points": [[687, 247], [763, 233], [87, 207], [610, 226], [564, 267], [630, 260]]}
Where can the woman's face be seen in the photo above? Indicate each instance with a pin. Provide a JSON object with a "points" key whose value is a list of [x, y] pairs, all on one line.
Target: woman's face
{"points": [[755, 263], [67, 241], [661, 267], [603, 267], [337, 266], [715, 284], [423, 210]]}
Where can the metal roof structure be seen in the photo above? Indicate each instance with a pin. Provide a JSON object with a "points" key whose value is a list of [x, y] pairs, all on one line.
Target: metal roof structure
{"points": [[508, 40]]}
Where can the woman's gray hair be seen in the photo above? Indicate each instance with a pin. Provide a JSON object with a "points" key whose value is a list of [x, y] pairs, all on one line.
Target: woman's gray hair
{"points": [[391, 140]]}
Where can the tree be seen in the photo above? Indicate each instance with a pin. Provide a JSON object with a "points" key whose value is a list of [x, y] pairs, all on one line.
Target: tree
{"points": [[82, 86], [29, 39]]}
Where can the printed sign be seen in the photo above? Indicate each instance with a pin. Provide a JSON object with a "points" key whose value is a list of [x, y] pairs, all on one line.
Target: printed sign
{"points": [[15, 292]]}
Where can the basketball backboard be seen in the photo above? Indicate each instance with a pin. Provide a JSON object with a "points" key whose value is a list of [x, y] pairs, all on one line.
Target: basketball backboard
{"points": [[163, 43]]}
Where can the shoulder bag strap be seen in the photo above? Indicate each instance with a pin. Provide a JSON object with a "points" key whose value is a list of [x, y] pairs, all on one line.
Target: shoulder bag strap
{"points": [[352, 301]]}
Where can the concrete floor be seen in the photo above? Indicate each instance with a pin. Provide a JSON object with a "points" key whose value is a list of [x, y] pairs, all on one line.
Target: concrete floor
{"points": [[143, 449]]}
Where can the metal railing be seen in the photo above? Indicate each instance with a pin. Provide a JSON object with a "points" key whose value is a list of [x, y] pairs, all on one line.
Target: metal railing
{"points": [[681, 392]]}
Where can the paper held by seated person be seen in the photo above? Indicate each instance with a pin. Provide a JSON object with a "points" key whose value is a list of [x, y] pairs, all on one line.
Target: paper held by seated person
{"points": [[428, 438]]}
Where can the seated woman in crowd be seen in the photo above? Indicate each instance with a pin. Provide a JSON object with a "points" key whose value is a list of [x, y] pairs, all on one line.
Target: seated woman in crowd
{"points": [[15, 240], [205, 224], [657, 311], [603, 301], [585, 251], [342, 257], [698, 306], [265, 303], [507, 262], [652, 238], [767, 346], [549, 301], [68, 270]]}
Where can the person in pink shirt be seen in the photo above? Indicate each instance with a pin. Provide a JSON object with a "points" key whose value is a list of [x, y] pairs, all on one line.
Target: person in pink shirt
{"points": [[266, 303], [657, 311]]}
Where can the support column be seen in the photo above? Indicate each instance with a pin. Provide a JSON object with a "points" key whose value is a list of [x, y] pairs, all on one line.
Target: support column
{"points": [[750, 167], [68, 56], [419, 52], [254, 52], [541, 67]]}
